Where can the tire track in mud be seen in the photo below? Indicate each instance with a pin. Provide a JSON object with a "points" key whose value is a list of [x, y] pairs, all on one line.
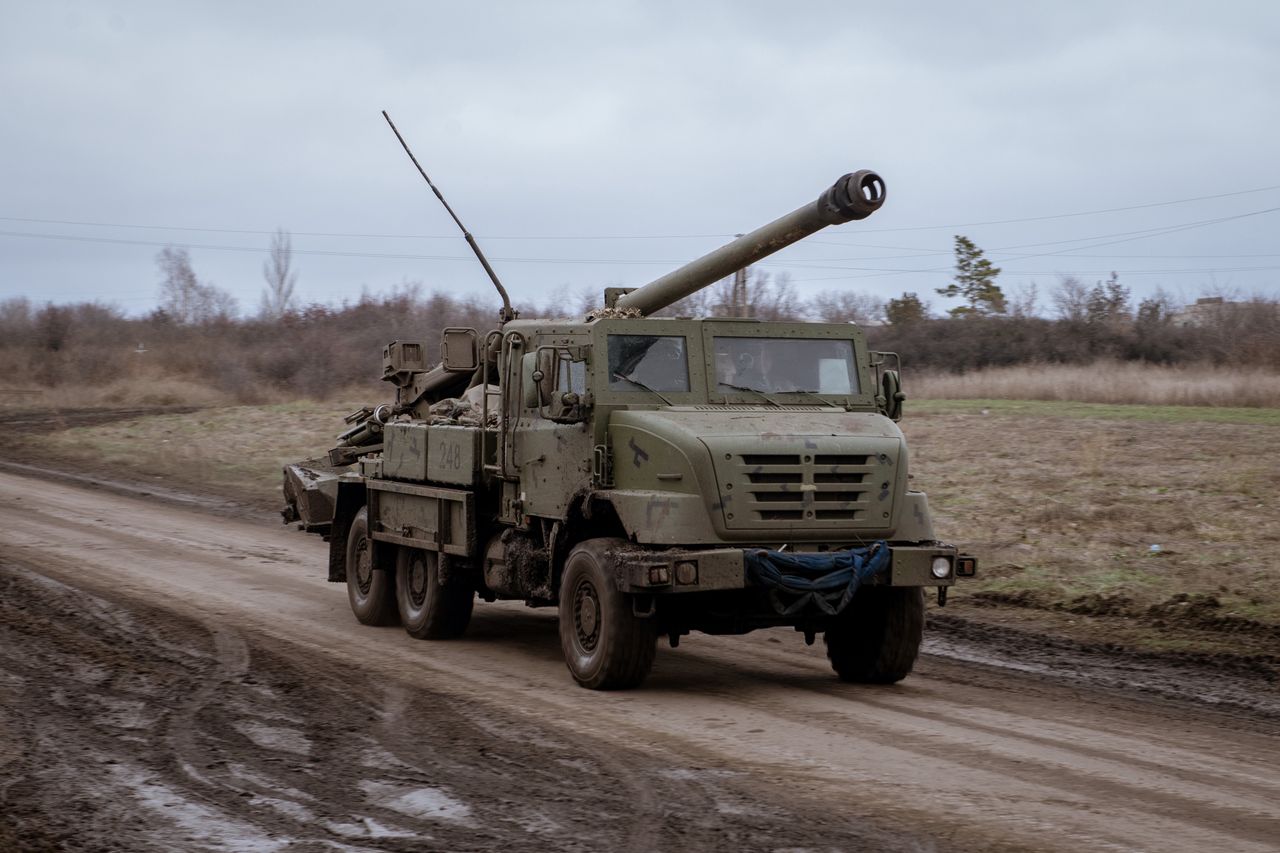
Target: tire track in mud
{"points": [[1138, 775], [161, 733]]}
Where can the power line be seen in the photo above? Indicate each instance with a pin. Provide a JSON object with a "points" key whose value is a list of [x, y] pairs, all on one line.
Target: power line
{"points": [[1070, 215], [325, 234], [1101, 272], [1125, 236], [80, 238], [329, 234]]}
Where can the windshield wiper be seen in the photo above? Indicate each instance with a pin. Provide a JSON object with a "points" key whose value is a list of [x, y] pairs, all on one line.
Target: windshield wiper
{"points": [[639, 384], [814, 395], [745, 388]]}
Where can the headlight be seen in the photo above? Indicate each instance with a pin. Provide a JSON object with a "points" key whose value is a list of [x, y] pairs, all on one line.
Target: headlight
{"points": [[941, 567]]}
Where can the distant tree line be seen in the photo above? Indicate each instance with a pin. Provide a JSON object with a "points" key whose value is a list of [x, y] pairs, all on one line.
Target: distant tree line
{"points": [[316, 350]]}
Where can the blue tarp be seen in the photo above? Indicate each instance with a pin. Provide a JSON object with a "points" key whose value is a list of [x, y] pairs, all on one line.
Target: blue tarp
{"points": [[827, 579]]}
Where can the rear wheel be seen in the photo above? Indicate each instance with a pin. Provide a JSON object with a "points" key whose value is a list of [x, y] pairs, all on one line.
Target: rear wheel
{"points": [[431, 606], [369, 589], [606, 646], [877, 637]]}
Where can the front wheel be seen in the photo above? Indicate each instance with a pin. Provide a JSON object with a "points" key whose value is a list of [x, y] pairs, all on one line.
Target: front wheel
{"points": [[877, 637], [431, 607], [369, 589], [606, 646]]}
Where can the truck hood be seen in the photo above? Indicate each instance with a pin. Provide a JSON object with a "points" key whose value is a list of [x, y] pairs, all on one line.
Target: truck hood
{"points": [[776, 469]]}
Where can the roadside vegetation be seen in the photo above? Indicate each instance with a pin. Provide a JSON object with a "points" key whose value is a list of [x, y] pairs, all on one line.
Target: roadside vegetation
{"points": [[1087, 343]]}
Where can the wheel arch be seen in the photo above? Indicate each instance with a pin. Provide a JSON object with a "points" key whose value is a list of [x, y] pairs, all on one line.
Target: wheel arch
{"points": [[589, 516], [351, 497]]}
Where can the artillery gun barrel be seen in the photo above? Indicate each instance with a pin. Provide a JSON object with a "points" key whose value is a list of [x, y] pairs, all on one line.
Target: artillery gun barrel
{"points": [[855, 196]]}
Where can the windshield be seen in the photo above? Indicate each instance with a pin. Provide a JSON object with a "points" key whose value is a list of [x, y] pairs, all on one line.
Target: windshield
{"points": [[782, 365], [648, 362]]}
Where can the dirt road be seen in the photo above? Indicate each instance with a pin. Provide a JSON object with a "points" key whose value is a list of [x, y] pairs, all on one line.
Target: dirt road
{"points": [[172, 679]]}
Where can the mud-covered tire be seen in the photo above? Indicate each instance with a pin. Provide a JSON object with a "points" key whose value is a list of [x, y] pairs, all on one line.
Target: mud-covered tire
{"points": [[429, 608], [877, 638], [606, 646], [369, 589]]}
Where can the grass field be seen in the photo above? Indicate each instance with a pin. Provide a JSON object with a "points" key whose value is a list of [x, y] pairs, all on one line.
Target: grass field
{"points": [[231, 451], [1094, 509], [1159, 515], [1128, 383]]}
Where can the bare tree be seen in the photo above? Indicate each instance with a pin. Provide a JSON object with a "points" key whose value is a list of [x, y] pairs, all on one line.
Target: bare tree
{"points": [[1071, 299], [186, 299], [277, 297], [773, 298], [846, 306], [1024, 301]]}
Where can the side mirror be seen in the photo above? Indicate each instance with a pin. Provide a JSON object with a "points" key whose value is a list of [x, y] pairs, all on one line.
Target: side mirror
{"points": [[538, 378], [890, 398], [460, 350]]}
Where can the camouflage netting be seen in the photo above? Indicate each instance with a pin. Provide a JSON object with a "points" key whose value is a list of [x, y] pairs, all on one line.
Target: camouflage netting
{"points": [[614, 314], [466, 410], [827, 580]]}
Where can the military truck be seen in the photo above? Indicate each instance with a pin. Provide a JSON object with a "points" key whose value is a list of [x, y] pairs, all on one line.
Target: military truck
{"points": [[649, 476]]}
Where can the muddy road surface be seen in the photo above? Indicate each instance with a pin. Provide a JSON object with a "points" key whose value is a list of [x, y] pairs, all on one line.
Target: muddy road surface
{"points": [[172, 679]]}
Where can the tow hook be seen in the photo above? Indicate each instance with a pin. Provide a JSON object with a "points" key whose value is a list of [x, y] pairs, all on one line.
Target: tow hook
{"points": [[942, 596]]}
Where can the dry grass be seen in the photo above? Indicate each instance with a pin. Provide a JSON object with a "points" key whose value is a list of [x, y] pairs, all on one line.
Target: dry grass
{"points": [[150, 388], [234, 451], [1106, 382], [1099, 513], [147, 390]]}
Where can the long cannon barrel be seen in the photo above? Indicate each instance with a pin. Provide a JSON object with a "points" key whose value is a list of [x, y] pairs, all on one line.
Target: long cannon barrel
{"points": [[855, 196]]}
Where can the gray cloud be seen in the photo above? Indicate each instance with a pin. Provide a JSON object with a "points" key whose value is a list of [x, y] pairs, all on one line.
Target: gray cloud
{"points": [[572, 120]]}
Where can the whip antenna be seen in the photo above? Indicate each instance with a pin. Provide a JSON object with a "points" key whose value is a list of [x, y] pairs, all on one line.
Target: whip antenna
{"points": [[507, 312]]}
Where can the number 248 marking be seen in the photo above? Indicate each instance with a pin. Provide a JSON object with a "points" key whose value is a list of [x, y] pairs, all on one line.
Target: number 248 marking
{"points": [[450, 455]]}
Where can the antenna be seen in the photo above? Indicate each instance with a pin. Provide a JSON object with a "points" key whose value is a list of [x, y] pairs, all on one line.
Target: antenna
{"points": [[507, 312]]}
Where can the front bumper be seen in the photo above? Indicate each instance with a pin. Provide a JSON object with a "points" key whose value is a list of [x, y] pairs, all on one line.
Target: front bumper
{"points": [[678, 570]]}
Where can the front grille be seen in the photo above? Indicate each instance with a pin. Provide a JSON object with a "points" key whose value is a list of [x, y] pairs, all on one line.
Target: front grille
{"points": [[769, 459], [795, 489]]}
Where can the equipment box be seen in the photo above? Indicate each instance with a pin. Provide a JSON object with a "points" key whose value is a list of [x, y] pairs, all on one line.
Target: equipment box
{"points": [[404, 454], [453, 455]]}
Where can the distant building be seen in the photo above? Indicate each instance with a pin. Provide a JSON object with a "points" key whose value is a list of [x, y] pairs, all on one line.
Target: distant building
{"points": [[1206, 311]]}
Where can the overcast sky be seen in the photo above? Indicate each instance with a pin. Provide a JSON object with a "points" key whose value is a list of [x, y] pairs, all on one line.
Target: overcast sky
{"points": [[604, 143]]}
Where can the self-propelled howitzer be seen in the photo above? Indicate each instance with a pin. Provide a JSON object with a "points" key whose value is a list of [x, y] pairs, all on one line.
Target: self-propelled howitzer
{"points": [[650, 476]]}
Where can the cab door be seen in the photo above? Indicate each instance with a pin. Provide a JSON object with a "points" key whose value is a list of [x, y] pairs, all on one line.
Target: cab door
{"points": [[553, 440]]}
